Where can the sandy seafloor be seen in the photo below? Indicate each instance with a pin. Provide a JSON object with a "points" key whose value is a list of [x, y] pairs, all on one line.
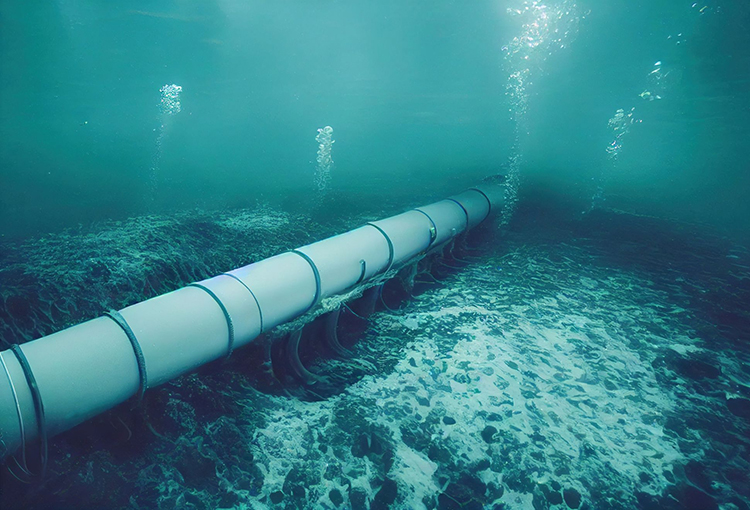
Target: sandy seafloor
{"points": [[597, 363]]}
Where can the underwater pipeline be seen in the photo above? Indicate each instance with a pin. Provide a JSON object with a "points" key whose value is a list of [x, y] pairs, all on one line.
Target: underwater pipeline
{"points": [[51, 384]]}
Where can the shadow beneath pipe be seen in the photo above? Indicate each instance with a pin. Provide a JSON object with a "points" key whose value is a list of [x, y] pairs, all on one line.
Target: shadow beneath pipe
{"points": [[320, 359]]}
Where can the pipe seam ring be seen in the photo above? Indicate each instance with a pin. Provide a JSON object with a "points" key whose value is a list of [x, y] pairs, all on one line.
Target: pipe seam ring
{"points": [[316, 273], [38, 403], [433, 228], [257, 303], [19, 413], [463, 209], [230, 323], [489, 202], [391, 249], [140, 359]]}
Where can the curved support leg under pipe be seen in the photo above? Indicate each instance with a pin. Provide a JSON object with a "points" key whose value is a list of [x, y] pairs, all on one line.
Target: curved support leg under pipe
{"points": [[457, 246], [331, 334], [408, 278], [382, 299], [461, 251], [449, 266], [292, 353], [369, 301], [429, 275]]}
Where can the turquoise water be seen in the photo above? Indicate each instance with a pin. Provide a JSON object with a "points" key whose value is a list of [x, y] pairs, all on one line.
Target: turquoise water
{"points": [[419, 95], [589, 349]]}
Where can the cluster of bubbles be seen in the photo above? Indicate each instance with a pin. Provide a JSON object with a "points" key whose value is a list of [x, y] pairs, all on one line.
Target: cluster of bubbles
{"points": [[658, 80], [703, 8], [169, 106], [325, 157], [620, 124], [545, 28], [170, 99]]}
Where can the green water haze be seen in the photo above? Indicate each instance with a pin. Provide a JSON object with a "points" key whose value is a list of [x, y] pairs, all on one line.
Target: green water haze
{"points": [[417, 93]]}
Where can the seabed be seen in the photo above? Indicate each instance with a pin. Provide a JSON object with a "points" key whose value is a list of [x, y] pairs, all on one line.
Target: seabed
{"points": [[596, 363]]}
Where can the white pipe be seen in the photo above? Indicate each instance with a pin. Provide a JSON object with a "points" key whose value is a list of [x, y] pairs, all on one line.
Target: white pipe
{"points": [[409, 233], [284, 286], [345, 260], [86, 369]]}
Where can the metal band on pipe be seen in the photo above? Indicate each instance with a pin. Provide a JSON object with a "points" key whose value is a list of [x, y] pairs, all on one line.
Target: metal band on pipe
{"points": [[489, 202], [38, 404], [433, 228], [140, 359], [19, 413], [260, 310], [463, 209], [391, 250], [317, 278], [230, 324]]}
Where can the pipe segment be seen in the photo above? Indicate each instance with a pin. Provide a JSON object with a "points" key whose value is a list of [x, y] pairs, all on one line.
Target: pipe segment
{"points": [[475, 204], [449, 219], [284, 285], [409, 232], [345, 260], [80, 371], [241, 305], [89, 368], [178, 332]]}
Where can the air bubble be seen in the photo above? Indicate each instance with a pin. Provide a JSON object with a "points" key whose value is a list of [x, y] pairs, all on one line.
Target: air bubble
{"points": [[170, 99], [325, 157]]}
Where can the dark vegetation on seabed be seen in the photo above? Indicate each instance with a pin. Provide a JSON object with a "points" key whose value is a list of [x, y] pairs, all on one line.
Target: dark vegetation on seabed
{"points": [[201, 441]]}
